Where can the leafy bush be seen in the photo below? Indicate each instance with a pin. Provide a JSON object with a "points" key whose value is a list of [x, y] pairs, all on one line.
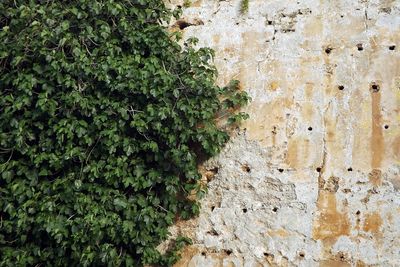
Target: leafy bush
{"points": [[104, 118]]}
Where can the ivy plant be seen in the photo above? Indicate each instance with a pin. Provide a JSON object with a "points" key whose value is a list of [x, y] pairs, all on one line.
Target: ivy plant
{"points": [[104, 119]]}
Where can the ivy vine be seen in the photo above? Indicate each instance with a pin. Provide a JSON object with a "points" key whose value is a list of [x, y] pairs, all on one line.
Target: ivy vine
{"points": [[104, 119]]}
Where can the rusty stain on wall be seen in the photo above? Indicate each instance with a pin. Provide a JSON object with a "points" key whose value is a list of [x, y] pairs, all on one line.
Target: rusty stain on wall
{"points": [[377, 145], [375, 177], [372, 223], [330, 223]]}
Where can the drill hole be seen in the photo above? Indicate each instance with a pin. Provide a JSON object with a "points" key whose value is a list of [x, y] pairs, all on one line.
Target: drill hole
{"points": [[310, 128], [360, 47], [275, 209], [246, 168], [386, 126], [392, 47], [375, 88], [268, 255], [280, 170], [350, 169], [244, 210], [319, 169], [341, 87], [328, 50]]}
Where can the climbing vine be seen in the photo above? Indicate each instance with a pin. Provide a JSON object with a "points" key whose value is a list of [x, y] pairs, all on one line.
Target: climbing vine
{"points": [[104, 119]]}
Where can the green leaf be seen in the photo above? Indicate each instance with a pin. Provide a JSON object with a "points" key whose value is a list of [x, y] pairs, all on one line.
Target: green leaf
{"points": [[104, 119]]}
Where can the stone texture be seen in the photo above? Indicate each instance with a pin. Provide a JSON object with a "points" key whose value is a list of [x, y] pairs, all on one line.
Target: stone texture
{"points": [[313, 177]]}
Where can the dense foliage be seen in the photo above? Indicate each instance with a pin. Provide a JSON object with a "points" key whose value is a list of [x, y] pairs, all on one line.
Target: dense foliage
{"points": [[103, 121]]}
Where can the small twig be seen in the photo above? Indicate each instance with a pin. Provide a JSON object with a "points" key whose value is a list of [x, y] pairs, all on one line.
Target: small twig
{"points": [[98, 139], [12, 152], [92, 41], [132, 111], [70, 217], [161, 207], [142, 134]]}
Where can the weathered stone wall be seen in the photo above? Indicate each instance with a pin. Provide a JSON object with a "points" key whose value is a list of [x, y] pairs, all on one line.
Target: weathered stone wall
{"points": [[313, 177]]}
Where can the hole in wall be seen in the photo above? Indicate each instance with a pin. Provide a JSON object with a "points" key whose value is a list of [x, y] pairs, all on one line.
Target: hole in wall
{"points": [[269, 255], [228, 252], [318, 169], [342, 256], [246, 168], [341, 87], [274, 132], [360, 47], [350, 169], [244, 210], [214, 169], [328, 50], [374, 88], [212, 208], [213, 233], [392, 47], [204, 253], [269, 22], [210, 173], [386, 126], [358, 212], [302, 254], [309, 128], [183, 24], [275, 209], [280, 170]]}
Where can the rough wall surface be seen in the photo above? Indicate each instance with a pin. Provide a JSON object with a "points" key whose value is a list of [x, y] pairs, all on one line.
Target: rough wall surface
{"points": [[313, 177]]}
